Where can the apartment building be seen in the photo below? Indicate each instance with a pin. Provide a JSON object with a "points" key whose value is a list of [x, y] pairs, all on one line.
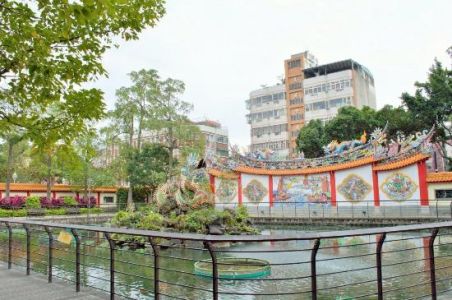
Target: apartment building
{"points": [[329, 87], [309, 92], [217, 140], [294, 77], [268, 119], [318, 91]]}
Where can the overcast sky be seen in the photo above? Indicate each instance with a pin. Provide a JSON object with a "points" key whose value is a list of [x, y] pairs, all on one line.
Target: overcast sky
{"points": [[224, 49]]}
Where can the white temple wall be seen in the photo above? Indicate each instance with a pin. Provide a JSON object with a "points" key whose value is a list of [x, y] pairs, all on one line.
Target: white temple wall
{"points": [[399, 187], [354, 186]]}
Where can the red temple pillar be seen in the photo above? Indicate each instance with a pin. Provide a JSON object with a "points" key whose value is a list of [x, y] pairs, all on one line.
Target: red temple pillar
{"points": [[28, 194], [54, 194], [333, 188], [375, 188], [422, 171], [98, 199], [270, 190], [239, 181], [212, 183]]}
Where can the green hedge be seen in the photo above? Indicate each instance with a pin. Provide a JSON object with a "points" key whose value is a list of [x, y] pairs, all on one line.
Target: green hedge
{"points": [[9, 213]]}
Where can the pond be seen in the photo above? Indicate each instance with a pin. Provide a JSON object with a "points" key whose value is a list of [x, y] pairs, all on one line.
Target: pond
{"points": [[345, 266]]}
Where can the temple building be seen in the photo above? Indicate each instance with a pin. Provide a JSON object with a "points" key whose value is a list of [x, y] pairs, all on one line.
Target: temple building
{"points": [[373, 172]]}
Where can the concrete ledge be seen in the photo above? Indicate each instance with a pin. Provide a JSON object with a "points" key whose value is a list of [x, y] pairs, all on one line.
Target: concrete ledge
{"points": [[342, 221]]}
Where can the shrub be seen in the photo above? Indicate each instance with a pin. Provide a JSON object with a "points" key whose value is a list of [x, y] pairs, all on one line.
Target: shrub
{"points": [[19, 213], [55, 211], [85, 201], [151, 221], [5, 213], [33, 202], [13, 202], [52, 202], [69, 201]]}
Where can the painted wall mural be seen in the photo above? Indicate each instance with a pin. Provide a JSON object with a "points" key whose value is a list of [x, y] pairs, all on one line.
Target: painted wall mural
{"points": [[255, 191], [398, 186], [354, 188], [226, 192], [301, 189]]}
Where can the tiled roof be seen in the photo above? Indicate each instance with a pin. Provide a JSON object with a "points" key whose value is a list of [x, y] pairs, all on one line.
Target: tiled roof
{"points": [[401, 162], [304, 171], [439, 177], [36, 187]]}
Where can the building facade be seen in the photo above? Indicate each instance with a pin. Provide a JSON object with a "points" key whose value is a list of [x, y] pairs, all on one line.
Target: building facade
{"points": [[216, 136], [294, 77], [329, 87], [268, 120], [317, 92]]}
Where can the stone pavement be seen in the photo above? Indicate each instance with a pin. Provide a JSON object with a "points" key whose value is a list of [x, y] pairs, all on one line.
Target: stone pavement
{"points": [[15, 285]]}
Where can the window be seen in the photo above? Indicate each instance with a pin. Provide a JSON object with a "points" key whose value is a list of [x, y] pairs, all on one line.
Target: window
{"points": [[443, 194], [109, 199], [294, 64]]}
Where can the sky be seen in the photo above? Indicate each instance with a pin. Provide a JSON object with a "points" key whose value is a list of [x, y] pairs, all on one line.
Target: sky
{"points": [[223, 49]]}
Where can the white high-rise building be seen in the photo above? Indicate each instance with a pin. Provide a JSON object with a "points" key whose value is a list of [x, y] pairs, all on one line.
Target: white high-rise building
{"points": [[331, 86], [268, 119]]}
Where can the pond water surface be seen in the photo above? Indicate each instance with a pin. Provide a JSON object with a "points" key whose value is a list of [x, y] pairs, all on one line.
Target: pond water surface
{"points": [[345, 266]]}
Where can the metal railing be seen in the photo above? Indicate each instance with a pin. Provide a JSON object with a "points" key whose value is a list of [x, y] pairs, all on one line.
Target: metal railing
{"points": [[440, 209], [402, 262]]}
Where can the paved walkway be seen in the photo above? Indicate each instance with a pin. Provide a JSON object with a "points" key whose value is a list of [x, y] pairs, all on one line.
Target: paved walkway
{"points": [[15, 285]]}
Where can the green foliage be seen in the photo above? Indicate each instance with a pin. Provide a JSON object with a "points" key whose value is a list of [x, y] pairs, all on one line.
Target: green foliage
{"points": [[8, 213], [311, 139], [33, 202], [151, 221], [55, 211], [149, 167], [197, 220], [69, 201], [350, 123], [431, 104], [93, 210], [49, 50], [140, 195]]}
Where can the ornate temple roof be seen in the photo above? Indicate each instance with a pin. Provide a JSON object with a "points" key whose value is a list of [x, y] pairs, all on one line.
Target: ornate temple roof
{"points": [[403, 162], [345, 155]]}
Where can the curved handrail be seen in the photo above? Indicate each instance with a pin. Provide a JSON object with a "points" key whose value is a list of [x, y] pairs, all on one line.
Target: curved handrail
{"points": [[236, 238]]}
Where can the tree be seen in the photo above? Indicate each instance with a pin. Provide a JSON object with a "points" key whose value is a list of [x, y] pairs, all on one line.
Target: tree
{"points": [[49, 48], [311, 139], [170, 117], [431, 103], [149, 167], [133, 109], [350, 123]]}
